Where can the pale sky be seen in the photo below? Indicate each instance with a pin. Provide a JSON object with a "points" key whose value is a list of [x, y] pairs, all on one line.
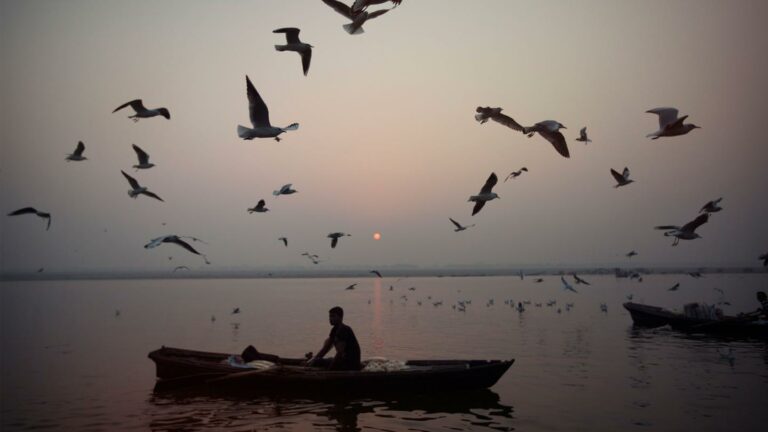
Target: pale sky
{"points": [[387, 139]]}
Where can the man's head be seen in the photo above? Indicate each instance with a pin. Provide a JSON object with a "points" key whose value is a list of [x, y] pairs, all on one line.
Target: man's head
{"points": [[335, 315]]}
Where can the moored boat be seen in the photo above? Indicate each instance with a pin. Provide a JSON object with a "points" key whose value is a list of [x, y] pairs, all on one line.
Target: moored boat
{"points": [[654, 316], [269, 373]]}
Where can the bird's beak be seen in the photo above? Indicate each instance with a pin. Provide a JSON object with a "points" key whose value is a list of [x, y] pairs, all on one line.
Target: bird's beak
{"points": [[563, 127]]}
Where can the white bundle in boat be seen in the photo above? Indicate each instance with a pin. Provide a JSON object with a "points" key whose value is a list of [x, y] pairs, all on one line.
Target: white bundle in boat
{"points": [[261, 364], [381, 364], [236, 361]]}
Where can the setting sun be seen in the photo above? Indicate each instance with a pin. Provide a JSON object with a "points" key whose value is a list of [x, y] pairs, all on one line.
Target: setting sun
{"points": [[377, 236]]}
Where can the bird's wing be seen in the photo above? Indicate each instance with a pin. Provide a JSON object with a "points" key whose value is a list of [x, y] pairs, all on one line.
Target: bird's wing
{"points": [[376, 272], [261, 204], [340, 8], [666, 115], [478, 206], [619, 178], [80, 149], [489, 184], [717, 201], [306, 57], [153, 195], [334, 242], [47, 227], [183, 244], [378, 13], [507, 121], [558, 141], [286, 188], [458, 225], [692, 225], [132, 181], [21, 211], [141, 154], [136, 104], [583, 133], [291, 34], [257, 109], [625, 173], [667, 227]]}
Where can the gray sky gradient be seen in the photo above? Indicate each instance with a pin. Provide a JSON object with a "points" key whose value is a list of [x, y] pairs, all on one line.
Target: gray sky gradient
{"points": [[387, 140]]}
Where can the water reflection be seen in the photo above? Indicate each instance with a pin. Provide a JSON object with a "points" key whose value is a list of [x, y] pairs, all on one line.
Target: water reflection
{"points": [[188, 410]]}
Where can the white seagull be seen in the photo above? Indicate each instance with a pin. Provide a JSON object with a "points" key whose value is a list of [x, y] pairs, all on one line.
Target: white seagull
{"points": [[687, 231], [358, 18], [285, 190], [177, 240], [583, 136], [712, 206], [335, 237], [142, 111], [621, 179], [259, 208], [460, 227], [549, 129], [143, 157], [137, 189], [259, 115], [294, 44], [669, 124], [77, 155], [485, 194], [516, 174], [567, 286], [284, 240], [34, 211]]}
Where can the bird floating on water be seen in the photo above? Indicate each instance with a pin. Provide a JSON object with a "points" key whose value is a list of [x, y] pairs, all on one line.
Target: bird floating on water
{"points": [[34, 211], [259, 207], [77, 155], [621, 179], [687, 231], [358, 17], [516, 174], [285, 190], [143, 157], [294, 44], [137, 189], [669, 124], [583, 136], [712, 206], [177, 268], [177, 240], [336, 236], [142, 111], [460, 227], [485, 194], [259, 116], [549, 129]]}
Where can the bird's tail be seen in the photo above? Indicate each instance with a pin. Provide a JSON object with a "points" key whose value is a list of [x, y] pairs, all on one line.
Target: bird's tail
{"points": [[351, 29], [291, 127], [243, 132]]}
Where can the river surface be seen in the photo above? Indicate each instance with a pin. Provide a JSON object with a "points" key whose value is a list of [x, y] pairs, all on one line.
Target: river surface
{"points": [[73, 354]]}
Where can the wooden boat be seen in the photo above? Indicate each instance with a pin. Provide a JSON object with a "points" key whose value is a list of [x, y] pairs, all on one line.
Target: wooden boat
{"points": [[654, 316], [177, 368]]}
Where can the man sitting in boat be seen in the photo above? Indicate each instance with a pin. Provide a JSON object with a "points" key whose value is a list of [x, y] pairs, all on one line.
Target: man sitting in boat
{"points": [[763, 299], [343, 339]]}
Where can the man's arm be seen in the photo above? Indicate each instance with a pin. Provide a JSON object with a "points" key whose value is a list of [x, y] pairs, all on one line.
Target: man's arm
{"points": [[320, 354]]}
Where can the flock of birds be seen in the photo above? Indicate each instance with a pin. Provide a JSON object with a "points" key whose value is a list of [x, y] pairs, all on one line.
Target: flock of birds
{"points": [[671, 124]]}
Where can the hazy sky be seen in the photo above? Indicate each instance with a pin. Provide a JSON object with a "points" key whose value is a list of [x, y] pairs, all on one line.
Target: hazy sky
{"points": [[387, 140]]}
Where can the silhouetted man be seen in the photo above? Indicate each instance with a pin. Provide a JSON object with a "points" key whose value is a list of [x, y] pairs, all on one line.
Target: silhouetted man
{"points": [[343, 340]]}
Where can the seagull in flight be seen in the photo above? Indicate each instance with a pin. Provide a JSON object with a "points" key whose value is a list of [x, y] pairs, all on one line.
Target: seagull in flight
{"points": [[285, 190], [516, 174], [567, 286], [335, 237], [549, 129], [621, 179], [284, 240], [583, 136], [712, 206], [137, 189], [143, 157], [77, 155], [687, 231], [579, 281], [669, 124], [34, 211], [485, 194], [235, 311], [630, 254], [460, 227], [142, 111], [674, 287], [294, 44], [259, 208], [764, 257], [695, 275], [259, 115], [351, 287], [358, 18], [177, 240], [376, 272]]}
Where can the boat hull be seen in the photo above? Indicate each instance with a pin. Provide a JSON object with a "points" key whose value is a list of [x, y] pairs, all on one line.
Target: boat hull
{"points": [[653, 316]]}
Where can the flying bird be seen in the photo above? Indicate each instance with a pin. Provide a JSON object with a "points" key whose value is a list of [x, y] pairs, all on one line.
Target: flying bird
{"points": [[177, 240], [137, 189], [485, 194], [77, 155], [259, 208], [376, 272], [335, 237], [358, 18], [567, 286], [351, 287], [259, 115], [583, 136], [621, 179], [764, 257], [669, 124], [142, 111], [284, 240], [579, 281], [235, 311], [630, 254], [695, 275], [294, 44], [687, 231], [674, 287], [549, 129], [460, 227], [34, 211], [516, 174], [143, 157], [712, 206], [285, 190]]}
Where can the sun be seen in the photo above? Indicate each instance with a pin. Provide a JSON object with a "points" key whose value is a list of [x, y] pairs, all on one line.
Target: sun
{"points": [[377, 236]]}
